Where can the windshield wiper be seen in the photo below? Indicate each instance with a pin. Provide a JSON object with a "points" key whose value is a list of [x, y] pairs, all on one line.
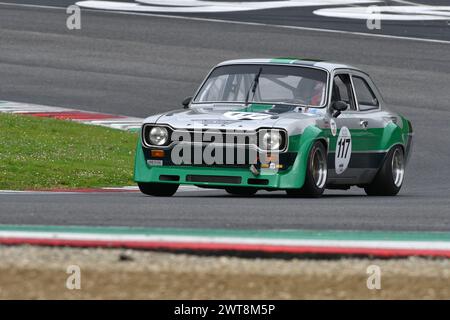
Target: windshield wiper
{"points": [[297, 103], [253, 86]]}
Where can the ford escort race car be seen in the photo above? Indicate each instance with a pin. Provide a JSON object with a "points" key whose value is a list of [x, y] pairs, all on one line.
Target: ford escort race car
{"points": [[302, 126]]}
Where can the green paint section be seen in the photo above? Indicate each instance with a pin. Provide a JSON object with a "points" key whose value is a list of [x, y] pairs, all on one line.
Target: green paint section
{"points": [[292, 60], [151, 174], [292, 178], [294, 143], [287, 60], [255, 107], [375, 139], [295, 177], [221, 233]]}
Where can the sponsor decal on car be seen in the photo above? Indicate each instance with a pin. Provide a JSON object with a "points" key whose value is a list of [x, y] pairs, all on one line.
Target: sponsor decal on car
{"points": [[333, 127], [343, 150], [246, 115]]}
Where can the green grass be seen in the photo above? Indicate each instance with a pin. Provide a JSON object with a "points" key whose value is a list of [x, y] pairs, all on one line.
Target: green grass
{"points": [[40, 153]]}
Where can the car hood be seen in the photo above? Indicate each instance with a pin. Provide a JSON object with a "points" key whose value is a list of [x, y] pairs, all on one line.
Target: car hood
{"points": [[238, 117]]}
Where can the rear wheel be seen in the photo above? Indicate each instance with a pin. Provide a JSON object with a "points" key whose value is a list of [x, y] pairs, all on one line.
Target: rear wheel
{"points": [[389, 179], [158, 189], [316, 173], [241, 191]]}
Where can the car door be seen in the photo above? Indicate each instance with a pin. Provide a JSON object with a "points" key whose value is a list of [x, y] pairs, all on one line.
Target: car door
{"points": [[347, 139], [368, 103]]}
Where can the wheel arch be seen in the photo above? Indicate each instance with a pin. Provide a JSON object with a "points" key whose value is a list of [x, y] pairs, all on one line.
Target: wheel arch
{"points": [[140, 167], [324, 141], [392, 136], [310, 135], [390, 149], [386, 156]]}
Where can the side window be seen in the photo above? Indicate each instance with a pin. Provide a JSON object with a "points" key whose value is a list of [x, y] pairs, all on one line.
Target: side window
{"points": [[366, 98], [342, 90]]}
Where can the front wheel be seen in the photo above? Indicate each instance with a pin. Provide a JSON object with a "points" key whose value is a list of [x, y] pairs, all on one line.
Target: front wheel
{"points": [[158, 189], [389, 179], [316, 173]]}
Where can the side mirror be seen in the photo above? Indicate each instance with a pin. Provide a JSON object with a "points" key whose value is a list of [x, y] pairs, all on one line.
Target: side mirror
{"points": [[186, 102], [338, 107]]}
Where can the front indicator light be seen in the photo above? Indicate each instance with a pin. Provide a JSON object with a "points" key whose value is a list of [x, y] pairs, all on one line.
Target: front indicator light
{"points": [[269, 157], [157, 153], [271, 166]]}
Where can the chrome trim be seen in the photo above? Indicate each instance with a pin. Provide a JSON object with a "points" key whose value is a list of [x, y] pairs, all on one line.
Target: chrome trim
{"points": [[211, 130], [144, 142], [286, 137], [368, 151], [354, 92], [354, 72], [319, 168], [364, 77], [398, 167]]}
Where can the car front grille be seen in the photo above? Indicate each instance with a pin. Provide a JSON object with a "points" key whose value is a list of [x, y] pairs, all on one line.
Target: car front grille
{"points": [[205, 136], [214, 179]]}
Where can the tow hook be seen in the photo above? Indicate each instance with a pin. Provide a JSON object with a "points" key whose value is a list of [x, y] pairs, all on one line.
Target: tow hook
{"points": [[254, 170]]}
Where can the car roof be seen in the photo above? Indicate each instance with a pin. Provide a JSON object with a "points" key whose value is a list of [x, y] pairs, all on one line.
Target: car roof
{"points": [[327, 65]]}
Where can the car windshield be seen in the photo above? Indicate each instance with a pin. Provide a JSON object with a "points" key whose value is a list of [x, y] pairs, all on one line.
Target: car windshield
{"points": [[275, 84]]}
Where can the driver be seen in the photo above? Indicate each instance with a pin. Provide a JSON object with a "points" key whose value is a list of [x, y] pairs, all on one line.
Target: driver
{"points": [[317, 94]]}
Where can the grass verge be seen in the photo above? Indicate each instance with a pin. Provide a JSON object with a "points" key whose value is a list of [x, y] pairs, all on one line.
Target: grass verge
{"points": [[40, 153]]}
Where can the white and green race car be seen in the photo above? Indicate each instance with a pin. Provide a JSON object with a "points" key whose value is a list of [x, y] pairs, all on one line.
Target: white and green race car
{"points": [[302, 126]]}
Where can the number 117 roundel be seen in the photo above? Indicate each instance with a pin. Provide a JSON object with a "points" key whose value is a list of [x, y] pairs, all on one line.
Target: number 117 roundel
{"points": [[289, 124]]}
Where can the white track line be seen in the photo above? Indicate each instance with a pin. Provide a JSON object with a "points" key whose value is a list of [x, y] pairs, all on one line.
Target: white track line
{"points": [[409, 3], [184, 188], [241, 23], [30, 192]]}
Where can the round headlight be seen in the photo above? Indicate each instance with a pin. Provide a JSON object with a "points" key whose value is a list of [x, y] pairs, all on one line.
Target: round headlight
{"points": [[158, 136], [271, 140]]}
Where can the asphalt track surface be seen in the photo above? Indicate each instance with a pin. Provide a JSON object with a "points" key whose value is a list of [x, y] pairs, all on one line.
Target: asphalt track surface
{"points": [[140, 65], [304, 17]]}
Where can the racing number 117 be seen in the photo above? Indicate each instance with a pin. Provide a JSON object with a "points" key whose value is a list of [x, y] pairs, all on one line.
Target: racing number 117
{"points": [[343, 145]]}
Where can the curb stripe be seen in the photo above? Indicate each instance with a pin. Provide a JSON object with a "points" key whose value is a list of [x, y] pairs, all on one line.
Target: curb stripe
{"points": [[239, 233], [383, 244], [79, 115], [343, 243], [87, 117], [227, 247], [85, 190]]}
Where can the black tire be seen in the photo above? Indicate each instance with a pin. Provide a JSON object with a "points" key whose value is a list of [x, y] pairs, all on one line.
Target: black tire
{"points": [[385, 183], [158, 189], [241, 191], [312, 188]]}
